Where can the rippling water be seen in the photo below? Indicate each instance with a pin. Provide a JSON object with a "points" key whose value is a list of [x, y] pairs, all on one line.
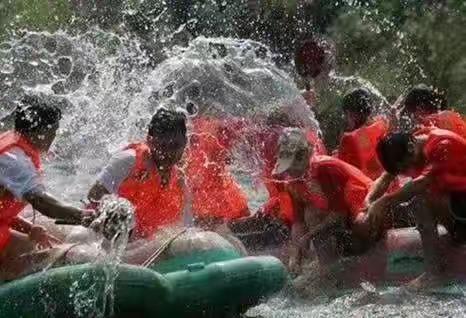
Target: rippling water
{"points": [[419, 306]]}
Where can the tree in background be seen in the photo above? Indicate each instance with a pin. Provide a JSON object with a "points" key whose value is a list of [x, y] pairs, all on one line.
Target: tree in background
{"points": [[393, 44]]}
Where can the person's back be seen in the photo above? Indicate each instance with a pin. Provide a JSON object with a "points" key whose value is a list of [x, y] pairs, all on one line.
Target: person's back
{"points": [[445, 160], [216, 196], [332, 184], [448, 120]]}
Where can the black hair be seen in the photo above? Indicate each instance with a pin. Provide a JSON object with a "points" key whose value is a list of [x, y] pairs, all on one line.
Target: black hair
{"points": [[359, 101], [309, 57], [393, 150], [35, 115], [166, 121], [425, 98]]}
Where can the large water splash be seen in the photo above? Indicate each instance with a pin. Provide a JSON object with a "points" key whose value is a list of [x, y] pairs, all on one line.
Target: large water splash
{"points": [[107, 89]]}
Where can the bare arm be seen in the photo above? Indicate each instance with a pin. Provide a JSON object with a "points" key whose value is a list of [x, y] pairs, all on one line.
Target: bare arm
{"points": [[53, 208], [379, 187], [379, 208], [298, 230], [409, 190], [21, 225]]}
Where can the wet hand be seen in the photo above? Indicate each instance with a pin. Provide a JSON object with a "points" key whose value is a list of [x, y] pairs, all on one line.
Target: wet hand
{"points": [[88, 217]]}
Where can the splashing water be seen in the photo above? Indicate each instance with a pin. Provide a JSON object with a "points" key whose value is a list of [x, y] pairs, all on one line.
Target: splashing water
{"points": [[107, 89], [117, 217], [115, 222], [108, 92]]}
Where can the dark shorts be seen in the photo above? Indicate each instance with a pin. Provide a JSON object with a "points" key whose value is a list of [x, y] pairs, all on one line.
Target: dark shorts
{"points": [[339, 240], [260, 231], [458, 210]]}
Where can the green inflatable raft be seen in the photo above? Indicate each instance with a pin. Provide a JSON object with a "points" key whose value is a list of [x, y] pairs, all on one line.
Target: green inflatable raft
{"points": [[183, 287]]}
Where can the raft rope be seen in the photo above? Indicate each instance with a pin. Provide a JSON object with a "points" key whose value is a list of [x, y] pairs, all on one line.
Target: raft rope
{"points": [[60, 255], [162, 249]]}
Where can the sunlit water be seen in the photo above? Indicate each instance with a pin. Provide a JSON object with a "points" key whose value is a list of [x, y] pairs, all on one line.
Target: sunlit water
{"points": [[108, 91]]}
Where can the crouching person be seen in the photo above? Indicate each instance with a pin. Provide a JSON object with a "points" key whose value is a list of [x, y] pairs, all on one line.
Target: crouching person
{"points": [[436, 160], [328, 197]]}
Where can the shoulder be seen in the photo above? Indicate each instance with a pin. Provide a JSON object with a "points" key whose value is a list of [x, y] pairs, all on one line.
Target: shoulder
{"points": [[16, 157], [121, 162]]}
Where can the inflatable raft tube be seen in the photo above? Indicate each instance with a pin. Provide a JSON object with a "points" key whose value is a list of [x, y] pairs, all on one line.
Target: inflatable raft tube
{"points": [[399, 258], [214, 290], [182, 260]]}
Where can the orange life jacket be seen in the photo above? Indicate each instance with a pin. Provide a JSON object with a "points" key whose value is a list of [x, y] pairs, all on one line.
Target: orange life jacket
{"points": [[215, 194], [10, 206], [448, 120], [358, 148], [279, 203], [445, 154], [334, 185], [155, 205], [314, 139]]}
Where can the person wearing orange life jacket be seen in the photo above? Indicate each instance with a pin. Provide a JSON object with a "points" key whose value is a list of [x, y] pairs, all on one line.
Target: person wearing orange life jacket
{"points": [[21, 184], [216, 196], [358, 143], [279, 203], [436, 159], [329, 197], [424, 106], [146, 174]]}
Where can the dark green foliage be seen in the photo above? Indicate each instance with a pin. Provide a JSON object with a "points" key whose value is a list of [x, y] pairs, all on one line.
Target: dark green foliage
{"points": [[393, 44]]}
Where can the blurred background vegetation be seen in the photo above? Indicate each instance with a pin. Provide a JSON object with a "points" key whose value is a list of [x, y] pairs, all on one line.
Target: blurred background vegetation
{"points": [[391, 43]]}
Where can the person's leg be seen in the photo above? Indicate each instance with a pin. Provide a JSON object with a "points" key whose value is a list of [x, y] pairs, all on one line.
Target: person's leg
{"points": [[12, 260], [425, 212], [260, 231], [20, 258], [455, 221], [429, 212]]}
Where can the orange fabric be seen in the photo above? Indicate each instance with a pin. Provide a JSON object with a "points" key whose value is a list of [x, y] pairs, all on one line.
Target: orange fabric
{"points": [[334, 185], [155, 205], [10, 206], [358, 148], [448, 120], [445, 154], [313, 139], [279, 203], [214, 191]]}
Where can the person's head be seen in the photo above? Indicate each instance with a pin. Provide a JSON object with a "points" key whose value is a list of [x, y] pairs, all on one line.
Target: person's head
{"points": [[357, 108], [167, 136], [279, 117], [37, 121], [313, 58], [423, 100], [294, 152], [397, 152]]}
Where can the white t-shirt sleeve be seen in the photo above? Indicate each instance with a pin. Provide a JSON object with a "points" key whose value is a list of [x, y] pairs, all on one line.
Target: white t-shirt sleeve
{"points": [[117, 170], [18, 174]]}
